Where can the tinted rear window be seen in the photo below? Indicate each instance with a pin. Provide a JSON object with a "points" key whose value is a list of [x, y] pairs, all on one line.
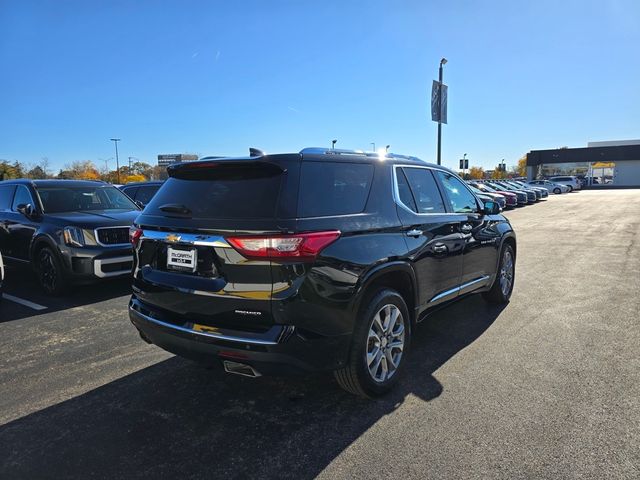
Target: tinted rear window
{"points": [[222, 192], [333, 188]]}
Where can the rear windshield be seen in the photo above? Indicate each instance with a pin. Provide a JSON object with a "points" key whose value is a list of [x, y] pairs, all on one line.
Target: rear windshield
{"points": [[333, 188], [221, 192]]}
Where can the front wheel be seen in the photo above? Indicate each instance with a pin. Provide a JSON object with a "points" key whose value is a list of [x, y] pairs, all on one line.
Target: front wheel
{"points": [[503, 284], [49, 271], [379, 347], [557, 191]]}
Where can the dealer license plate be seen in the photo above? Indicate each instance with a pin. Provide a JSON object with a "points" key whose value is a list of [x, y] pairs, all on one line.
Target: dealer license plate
{"points": [[182, 260]]}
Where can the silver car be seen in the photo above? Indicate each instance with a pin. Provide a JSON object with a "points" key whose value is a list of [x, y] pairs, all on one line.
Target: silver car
{"points": [[570, 181], [551, 186]]}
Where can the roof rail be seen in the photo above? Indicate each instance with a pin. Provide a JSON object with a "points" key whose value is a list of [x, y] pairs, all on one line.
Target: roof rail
{"points": [[330, 151]]}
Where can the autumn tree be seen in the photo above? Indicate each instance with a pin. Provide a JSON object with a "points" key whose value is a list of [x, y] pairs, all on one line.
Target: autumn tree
{"points": [[133, 178], [522, 167], [80, 170], [476, 173], [498, 174]]}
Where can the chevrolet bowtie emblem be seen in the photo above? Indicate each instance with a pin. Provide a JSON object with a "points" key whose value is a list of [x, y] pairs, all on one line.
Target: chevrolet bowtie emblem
{"points": [[172, 238]]}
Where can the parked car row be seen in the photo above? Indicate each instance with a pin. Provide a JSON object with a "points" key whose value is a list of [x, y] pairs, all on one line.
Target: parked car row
{"points": [[275, 263]]}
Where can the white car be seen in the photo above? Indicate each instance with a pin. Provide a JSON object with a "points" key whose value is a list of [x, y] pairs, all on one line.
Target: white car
{"points": [[551, 186], [570, 181]]}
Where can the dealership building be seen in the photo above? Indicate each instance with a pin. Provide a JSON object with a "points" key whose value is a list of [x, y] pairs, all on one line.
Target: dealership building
{"points": [[615, 163], [169, 158]]}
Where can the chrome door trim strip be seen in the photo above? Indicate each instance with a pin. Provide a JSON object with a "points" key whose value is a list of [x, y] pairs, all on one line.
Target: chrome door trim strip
{"points": [[229, 338], [459, 288]]}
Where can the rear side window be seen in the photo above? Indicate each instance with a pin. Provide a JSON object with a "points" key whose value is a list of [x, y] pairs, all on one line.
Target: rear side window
{"points": [[333, 188], [242, 192], [146, 193], [424, 190], [6, 195], [130, 191]]}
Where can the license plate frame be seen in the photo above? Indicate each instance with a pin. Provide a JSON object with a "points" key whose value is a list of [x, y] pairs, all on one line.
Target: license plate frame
{"points": [[182, 259]]}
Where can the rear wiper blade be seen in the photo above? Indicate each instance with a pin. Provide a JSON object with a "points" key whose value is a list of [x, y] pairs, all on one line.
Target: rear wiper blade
{"points": [[175, 208]]}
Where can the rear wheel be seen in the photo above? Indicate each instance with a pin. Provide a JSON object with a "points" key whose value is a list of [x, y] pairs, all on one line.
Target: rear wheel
{"points": [[503, 284], [570, 188], [49, 271], [379, 347]]}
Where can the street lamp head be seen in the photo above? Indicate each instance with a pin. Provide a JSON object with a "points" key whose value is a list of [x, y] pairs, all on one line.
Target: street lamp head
{"points": [[443, 61], [115, 139]]}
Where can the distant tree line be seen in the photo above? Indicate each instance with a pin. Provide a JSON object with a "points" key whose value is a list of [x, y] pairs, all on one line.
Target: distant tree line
{"points": [[81, 170]]}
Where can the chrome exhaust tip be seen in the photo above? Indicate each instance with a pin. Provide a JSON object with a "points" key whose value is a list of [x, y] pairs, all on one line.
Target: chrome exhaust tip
{"points": [[240, 369]]}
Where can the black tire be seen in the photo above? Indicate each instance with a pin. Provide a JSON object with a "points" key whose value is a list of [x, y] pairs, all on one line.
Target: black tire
{"points": [[498, 294], [355, 377], [570, 188], [557, 191], [50, 273]]}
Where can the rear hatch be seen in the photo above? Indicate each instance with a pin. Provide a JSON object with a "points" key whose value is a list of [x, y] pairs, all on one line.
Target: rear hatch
{"points": [[195, 261]]}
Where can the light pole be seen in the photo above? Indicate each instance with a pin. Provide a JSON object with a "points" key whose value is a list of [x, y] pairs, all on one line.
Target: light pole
{"points": [[442, 62], [463, 163], [386, 149], [115, 141], [333, 144], [373, 144]]}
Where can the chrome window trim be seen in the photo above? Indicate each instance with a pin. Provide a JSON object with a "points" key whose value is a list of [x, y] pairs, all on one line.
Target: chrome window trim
{"points": [[396, 192], [229, 338], [119, 245]]}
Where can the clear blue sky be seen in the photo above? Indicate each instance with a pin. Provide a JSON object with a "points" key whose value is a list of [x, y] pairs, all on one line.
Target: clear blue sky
{"points": [[215, 77]]}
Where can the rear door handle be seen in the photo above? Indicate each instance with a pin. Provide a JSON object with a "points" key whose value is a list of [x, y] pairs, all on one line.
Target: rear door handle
{"points": [[440, 248], [466, 228], [414, 232]]}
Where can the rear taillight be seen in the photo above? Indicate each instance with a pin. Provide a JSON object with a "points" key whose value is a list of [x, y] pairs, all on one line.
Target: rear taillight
{"points": [[134, 235], [303, 246]]}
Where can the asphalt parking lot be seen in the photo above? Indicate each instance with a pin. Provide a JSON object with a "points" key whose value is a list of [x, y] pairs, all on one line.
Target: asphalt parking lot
{"points": [[548, 387]]}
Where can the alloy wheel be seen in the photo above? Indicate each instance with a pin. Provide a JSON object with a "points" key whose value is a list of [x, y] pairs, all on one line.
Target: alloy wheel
{"points": [[506, 273], [385, 344], [48, 271]]}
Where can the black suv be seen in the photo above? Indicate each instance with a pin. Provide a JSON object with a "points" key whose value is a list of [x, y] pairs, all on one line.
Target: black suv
{"points": [[141, 192], [69, 231], [319, 260]]}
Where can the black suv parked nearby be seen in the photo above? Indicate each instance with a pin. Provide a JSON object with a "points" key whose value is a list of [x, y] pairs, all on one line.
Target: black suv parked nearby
{"points": [[141, 192], [69, 231], [320, 260]]}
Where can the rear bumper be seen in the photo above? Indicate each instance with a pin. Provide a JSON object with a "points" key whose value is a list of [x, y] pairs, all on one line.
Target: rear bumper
{"points": [[280, 350]]}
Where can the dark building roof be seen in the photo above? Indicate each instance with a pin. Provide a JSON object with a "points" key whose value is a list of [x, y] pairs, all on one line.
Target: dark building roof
{"points": [[617, 153]]}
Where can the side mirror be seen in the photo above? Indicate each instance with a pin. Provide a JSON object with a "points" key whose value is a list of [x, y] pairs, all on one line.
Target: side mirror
{"points": [[491, 208], [26, 209], [139, 204]]}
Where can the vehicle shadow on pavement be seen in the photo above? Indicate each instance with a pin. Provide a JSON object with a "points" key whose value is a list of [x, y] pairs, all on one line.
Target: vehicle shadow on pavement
{"points": [[20, 282], [179, 420]]}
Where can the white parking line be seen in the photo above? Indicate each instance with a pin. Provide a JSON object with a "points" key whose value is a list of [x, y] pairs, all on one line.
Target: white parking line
{"points": [[26, 303]]}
